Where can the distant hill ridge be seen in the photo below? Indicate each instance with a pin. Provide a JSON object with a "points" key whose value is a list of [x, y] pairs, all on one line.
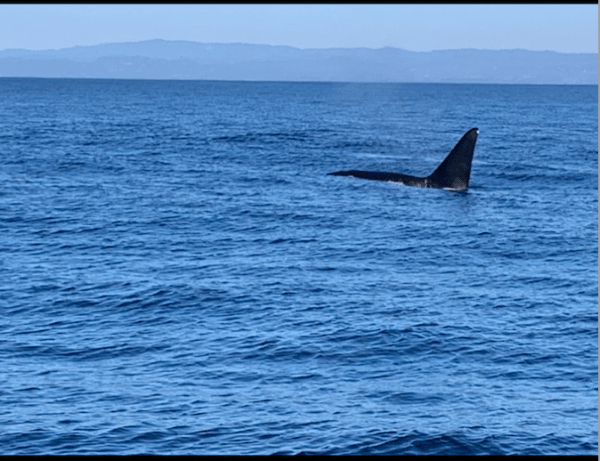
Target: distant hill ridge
{"points": [[164, 59]]}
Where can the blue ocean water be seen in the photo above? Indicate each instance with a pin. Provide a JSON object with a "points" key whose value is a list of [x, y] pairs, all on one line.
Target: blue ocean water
{"points": [[179, 275]]}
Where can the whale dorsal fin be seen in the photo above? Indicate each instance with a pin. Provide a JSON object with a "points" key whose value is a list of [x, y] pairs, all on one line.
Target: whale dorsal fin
{"points": [[455, 170]]}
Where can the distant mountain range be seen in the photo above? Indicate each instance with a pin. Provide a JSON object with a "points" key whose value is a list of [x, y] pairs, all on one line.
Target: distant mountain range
{"points": [[162, 59]]}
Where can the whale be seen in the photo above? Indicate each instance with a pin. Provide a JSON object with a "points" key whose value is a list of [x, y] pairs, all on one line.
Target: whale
{"points": [[452, 174]]}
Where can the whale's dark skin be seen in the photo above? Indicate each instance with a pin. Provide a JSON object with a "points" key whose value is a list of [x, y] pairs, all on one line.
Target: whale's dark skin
{"points": [[453, 173]]}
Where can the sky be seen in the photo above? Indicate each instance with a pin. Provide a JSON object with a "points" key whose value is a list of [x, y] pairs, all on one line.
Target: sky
{"points": [[570, 28]]}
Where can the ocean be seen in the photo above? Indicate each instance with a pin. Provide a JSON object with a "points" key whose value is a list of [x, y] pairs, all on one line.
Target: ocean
{"points": [[179, 275]]}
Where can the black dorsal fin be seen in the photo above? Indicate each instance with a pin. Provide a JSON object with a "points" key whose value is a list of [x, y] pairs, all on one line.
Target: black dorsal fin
{"points": [[455, 170]]}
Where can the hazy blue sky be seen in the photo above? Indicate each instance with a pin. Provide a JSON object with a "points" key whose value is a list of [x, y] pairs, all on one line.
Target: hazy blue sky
{"points": [[566, 28]]}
